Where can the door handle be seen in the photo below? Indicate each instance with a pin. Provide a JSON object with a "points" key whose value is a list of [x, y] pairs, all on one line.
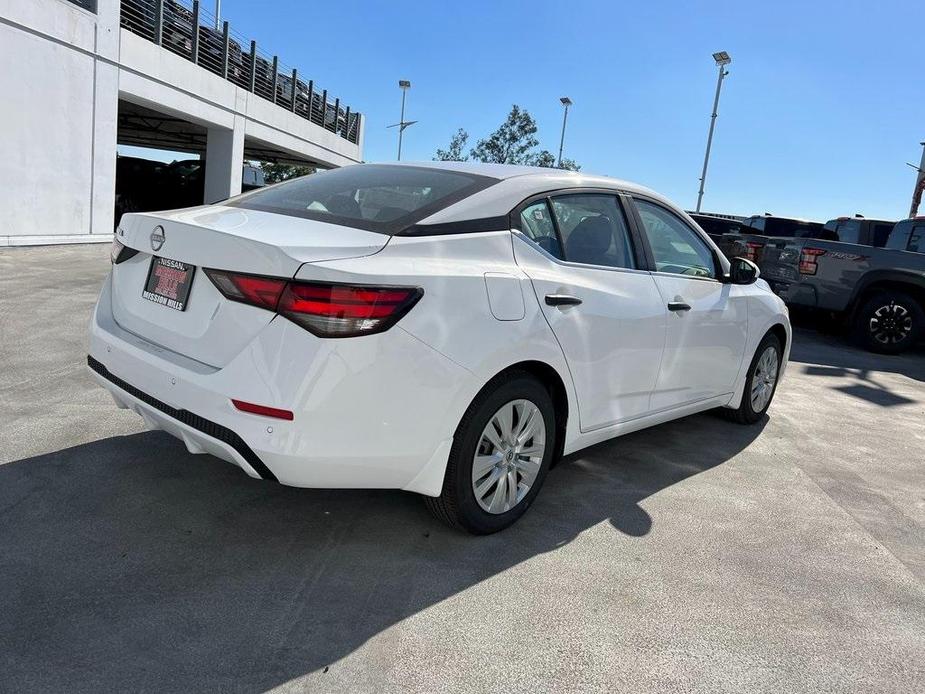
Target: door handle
{"points": [[678, 306], [562, 300]]}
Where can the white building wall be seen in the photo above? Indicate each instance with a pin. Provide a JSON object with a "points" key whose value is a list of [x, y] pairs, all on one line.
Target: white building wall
{"points": [[48, 120], [65, 70]]}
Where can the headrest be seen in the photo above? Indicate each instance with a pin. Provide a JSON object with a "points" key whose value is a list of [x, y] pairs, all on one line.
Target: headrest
{"points": [[590, 240]]}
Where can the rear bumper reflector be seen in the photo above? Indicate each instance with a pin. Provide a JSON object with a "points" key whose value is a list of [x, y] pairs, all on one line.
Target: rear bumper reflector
{"points": [[263, 410], [207, 427]]}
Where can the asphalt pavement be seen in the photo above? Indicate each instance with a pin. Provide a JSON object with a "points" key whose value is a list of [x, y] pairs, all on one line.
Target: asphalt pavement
{"points": [[699, 555]]}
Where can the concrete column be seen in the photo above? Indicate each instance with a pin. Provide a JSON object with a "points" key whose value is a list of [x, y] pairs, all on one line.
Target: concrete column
{"points": [[224, 161], [105, 120]]}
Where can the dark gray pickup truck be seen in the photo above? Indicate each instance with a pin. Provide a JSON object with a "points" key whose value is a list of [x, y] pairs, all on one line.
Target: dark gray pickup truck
{"points": [[879, 292]]}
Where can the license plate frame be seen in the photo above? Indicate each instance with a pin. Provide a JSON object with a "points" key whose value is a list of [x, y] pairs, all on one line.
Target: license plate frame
{"points": [[169, 283]]}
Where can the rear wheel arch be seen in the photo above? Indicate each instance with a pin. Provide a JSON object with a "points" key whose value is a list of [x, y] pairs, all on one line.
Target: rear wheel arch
{"points": [[913, 285], [552, 380]]}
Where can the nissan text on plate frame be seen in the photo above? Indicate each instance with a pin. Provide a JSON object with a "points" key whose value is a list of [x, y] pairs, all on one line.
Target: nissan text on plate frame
{"points": [[449, 329]]}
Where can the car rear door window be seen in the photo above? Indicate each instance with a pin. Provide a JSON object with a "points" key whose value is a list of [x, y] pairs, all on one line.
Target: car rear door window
{"points": [[593, 230], [536, 222], [676, 247]]}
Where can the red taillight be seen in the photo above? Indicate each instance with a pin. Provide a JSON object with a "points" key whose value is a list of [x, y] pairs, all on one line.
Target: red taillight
{"points": [[249, 289], [262, 410], [808, 264], [120, 252], [326, 310], [751, 250], [336, 310]]}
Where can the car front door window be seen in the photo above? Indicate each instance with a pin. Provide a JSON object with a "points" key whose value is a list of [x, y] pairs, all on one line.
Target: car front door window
{"points": [[676, 247]]}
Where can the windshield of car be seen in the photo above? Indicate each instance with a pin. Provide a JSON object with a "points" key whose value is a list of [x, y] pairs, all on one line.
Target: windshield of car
{"points": [[375, 197]]}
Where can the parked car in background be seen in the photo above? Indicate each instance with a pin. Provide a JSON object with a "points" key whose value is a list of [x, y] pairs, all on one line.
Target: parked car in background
{"points": [[139, 185], [718, 227], [878, 292], [860, 230], [444, 328], [760, 227], [143, 185]]}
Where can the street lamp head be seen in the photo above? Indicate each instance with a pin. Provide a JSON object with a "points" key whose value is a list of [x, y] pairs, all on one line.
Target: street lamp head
{"points": [[404, 84], [722, 58], [565, 101]]}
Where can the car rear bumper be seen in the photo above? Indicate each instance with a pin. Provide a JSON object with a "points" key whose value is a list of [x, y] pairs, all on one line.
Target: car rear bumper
{"points": [[373, 412]]}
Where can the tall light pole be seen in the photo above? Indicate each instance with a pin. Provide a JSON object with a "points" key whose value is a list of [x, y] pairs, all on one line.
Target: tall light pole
{"points": [[404, 85], [218, 14], [919, 184], [565, 102], [722, 60]]}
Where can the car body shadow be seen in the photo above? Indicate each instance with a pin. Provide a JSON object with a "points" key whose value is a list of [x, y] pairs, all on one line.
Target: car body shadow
{"points": [[128, 563], [837, 353]]}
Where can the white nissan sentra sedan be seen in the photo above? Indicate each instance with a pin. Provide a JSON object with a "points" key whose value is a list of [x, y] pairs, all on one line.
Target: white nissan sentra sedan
{"points": [[446, 329]]}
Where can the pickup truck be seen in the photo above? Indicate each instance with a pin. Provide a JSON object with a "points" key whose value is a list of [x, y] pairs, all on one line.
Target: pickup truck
{"points": [[750, 241], [878, 292], [859, 229]]}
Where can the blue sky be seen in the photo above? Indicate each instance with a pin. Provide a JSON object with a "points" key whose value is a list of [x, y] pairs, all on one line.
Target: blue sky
{"points": [[823, 104]]}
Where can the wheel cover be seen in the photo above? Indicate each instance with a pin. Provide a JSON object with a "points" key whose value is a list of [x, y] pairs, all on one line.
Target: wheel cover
{"points": [[890, 324], [508, 456], [764, 379]]}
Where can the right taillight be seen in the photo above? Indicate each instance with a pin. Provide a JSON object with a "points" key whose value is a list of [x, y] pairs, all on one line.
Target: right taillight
{"points": [[324, 309], [336, 310], [808, 264]]}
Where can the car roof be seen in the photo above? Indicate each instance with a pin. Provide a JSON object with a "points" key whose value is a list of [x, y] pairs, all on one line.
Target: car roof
{"points": [[781, 217], [506, 171], [515, 184]]}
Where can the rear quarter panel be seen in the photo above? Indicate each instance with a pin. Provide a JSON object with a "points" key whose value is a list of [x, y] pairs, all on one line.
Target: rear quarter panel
{"points": [[454, 316]]}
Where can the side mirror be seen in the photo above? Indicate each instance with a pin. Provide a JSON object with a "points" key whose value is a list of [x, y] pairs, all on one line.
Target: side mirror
{"points": [[742, 271]]}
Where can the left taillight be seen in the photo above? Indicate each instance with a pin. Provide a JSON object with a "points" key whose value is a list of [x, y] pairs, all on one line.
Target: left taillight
{"points": [[324, 309], [120, 252]]}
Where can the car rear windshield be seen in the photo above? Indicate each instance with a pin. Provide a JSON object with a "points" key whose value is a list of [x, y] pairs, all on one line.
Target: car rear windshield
{"points": [[375, 197]]}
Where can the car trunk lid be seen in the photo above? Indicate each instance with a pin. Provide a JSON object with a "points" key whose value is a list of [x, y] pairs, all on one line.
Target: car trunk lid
{"points": [[148, 293]]}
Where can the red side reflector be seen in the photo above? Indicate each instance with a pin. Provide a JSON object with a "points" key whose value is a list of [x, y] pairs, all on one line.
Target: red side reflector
{"points": [[262, 410]]}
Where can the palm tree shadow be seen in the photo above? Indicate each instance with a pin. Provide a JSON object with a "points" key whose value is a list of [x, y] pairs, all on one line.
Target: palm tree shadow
{"points": [[130, 564]]}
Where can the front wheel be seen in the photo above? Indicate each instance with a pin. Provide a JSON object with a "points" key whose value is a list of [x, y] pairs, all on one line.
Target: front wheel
{"points": [[501, 452], [889, 323], [760, 383]]}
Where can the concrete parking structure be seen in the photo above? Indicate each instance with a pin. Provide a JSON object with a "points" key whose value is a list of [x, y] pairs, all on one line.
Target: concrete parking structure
{"points": [[696, 556], [86, 76]]}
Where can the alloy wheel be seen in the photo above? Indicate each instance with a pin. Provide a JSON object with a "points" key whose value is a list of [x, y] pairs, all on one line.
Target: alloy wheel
{"points": [[890, 324], [764, 379], [509, 456]]}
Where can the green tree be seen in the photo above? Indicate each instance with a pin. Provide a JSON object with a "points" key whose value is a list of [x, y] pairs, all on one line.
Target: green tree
{"points": [[274, 173], [455, 151], [515, 142], [511, 143]]}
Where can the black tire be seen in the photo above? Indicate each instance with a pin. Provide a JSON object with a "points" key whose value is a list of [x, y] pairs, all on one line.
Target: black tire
{"points": [[745, 413], [457, 506], [889, 322]]}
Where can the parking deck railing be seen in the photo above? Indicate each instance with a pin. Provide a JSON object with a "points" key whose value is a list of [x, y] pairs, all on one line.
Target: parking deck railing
{"points": [[184, 28]]}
